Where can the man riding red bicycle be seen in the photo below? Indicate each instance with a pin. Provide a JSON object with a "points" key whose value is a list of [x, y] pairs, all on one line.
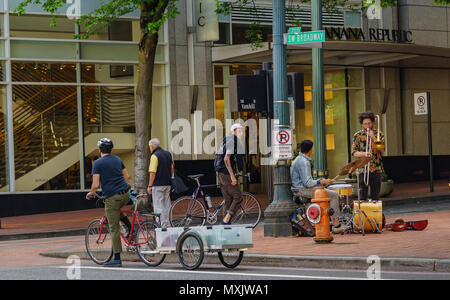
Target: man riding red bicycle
{"points": [[110, 172]]}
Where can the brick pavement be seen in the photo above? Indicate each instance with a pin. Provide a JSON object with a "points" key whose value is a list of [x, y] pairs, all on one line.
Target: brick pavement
{"points": [[434, 242]]}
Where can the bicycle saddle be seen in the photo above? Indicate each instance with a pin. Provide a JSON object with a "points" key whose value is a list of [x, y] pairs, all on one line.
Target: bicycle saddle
{"points": [[196, 176]]}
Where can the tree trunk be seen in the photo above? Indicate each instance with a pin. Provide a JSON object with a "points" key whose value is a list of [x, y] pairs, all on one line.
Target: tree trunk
{"points": [[147, 52]]}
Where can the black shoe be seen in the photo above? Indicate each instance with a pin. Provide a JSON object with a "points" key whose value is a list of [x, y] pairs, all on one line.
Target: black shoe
{"points": [[113, 263], [224, 223], [135, 232]]}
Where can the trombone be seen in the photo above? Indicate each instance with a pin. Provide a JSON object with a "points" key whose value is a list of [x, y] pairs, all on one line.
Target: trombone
{"points": [[368, 150], [378, 145]]}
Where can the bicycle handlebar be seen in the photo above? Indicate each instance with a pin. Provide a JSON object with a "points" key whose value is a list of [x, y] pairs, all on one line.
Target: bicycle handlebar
{"points": [[101, 197]]}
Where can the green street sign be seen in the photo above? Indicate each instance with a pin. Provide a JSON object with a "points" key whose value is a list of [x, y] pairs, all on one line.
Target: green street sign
{"points": [[295, 30], [306, 37]]}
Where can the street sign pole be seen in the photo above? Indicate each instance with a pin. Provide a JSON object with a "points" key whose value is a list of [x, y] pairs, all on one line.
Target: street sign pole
{"points": [[320, 152], [422, 107], [276, 216], [430, 142]]}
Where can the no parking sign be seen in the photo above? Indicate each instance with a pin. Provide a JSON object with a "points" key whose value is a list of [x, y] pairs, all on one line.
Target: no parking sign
{"points": [[282, 144], [421, 104]]}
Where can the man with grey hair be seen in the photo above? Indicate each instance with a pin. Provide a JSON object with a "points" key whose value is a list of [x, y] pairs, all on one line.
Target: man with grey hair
{"points": [[161, 171]]}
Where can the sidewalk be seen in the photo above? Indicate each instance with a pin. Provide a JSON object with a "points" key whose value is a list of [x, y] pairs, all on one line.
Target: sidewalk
{"points": [[418, 250]]}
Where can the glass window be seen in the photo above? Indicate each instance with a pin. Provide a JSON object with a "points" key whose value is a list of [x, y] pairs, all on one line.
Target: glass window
{"points": [[43, 72], [43, 50], [32, 26], [108, 111], [352, 19], [3, 146], [240, 33], [107, 73], [2, 70], [224, 34], [45, 129], [106, 51]]}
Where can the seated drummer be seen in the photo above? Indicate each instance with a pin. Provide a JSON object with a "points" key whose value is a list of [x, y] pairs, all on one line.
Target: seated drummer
{"points": [[304, 185]]}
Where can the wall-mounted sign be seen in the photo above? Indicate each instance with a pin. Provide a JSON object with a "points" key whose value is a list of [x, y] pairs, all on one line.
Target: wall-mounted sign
{"points": [[207, 20], [374, 34]]}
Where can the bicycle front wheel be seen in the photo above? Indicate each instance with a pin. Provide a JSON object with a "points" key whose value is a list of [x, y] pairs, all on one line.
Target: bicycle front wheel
{"points": [[187, 211], [146, 248], [249, 212], [98, 242]]}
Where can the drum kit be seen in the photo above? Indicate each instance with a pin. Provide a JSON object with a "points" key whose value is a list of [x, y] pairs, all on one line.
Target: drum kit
{"points": [[364, 215]]}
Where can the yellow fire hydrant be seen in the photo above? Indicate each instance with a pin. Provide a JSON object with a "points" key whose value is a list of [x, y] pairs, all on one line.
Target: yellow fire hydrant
{"points": [[318, 213]]}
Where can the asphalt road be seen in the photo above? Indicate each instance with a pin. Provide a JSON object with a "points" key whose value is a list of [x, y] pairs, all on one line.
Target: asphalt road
{"points": [[137, 271]]}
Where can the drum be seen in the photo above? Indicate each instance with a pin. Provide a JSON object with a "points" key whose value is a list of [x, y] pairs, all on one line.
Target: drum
{"points": [[342, 189], [371, 216]]}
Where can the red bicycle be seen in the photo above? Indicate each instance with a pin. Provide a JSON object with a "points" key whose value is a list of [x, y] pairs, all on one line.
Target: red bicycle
{"points": [[141, 237]]}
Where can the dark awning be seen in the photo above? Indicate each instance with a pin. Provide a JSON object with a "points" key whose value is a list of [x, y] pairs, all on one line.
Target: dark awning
{"points": [[342, 53]]}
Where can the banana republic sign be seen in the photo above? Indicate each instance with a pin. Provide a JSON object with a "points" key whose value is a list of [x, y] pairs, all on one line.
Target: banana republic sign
{"points": [[207, 20], [372, 34]]}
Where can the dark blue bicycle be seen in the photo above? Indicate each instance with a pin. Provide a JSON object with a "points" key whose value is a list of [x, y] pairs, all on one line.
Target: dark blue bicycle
{"points": [[191, 211]]}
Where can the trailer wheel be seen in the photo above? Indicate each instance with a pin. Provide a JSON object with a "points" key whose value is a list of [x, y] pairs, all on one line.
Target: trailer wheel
{"points": [[190, 251], [231, 259]]}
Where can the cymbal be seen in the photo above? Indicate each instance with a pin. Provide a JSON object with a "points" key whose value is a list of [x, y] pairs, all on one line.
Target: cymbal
{"points": [[350, 167]]}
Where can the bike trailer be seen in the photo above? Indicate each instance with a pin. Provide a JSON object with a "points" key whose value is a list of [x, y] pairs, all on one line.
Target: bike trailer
{"points": [[214, 238]]}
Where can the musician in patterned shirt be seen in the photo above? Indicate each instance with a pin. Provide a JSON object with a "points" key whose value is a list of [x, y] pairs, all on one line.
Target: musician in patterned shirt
{"points": [[367, 120]]}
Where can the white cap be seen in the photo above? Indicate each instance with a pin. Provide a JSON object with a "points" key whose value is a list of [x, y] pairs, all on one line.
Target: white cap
{"points": [[236, 126]]}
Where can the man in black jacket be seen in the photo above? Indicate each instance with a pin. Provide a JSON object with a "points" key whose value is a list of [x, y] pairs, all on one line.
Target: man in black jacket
{"points": [[230, 155], [161, 171]]}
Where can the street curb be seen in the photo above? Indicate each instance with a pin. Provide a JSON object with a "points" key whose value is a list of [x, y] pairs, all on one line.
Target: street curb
{"points": [[319, 262], [42, 234], [415, 200]]}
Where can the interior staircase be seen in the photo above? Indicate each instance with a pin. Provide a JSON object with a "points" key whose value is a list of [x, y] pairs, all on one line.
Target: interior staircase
{"points": [[46, 123]]}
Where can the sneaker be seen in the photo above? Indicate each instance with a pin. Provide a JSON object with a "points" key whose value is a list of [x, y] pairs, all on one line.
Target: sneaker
{"points": [[224, 223], [113, 263], [340, 228]]}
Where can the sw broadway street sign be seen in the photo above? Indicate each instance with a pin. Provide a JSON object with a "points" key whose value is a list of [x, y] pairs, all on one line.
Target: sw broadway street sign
{"points": [[308, 39]]}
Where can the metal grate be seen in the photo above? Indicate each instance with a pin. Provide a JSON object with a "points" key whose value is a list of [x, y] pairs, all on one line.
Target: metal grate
{"points": [[302, 14]]}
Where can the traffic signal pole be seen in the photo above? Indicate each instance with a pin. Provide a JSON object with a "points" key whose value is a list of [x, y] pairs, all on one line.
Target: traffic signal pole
{"points": [[276, 216]]}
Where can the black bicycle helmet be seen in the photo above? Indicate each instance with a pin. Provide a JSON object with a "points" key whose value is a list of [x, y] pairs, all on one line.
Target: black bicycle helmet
{"points": [[105, 145]]}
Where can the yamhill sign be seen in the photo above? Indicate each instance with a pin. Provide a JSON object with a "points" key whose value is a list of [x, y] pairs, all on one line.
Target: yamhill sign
{"points": [[374, 35]]}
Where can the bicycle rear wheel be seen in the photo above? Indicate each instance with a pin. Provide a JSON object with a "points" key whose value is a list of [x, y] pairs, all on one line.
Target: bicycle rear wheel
{"points": [[98, 242], [178, 214], [249, 212], [147, 252]]}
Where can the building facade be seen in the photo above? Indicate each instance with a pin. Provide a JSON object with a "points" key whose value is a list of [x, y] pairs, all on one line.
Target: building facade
{"points": [[60, 95]]}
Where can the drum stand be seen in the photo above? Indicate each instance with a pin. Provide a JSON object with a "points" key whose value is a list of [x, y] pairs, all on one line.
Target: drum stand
{"points": [[361, 224], [359, 211]]}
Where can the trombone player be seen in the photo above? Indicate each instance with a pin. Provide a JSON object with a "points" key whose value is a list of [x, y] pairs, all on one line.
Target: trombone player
{"points": [[369, 142]]}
